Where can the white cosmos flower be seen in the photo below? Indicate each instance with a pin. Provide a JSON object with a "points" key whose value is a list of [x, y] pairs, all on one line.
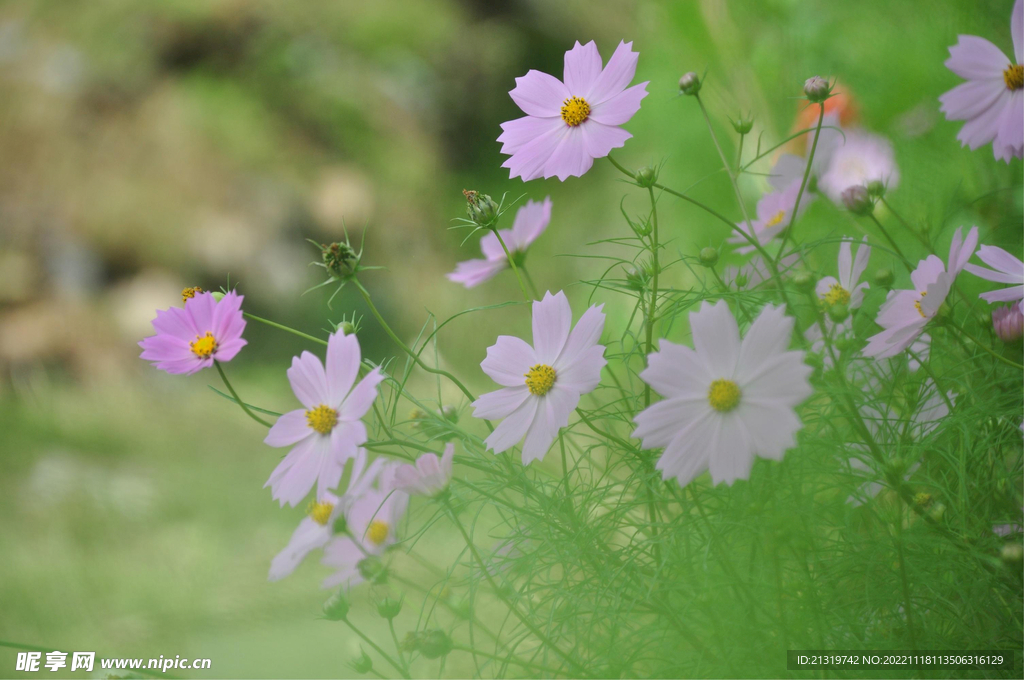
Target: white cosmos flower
{"points": [[846, 290], [1006, 268], [857, 160], [727, 399]]}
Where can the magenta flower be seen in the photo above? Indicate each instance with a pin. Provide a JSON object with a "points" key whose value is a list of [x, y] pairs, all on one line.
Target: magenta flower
{"points": [[530, 222], [1005, 269], [774, 212], [328, 431], [569, 124], [992, 99], [905, 313], [543, 383], [192, 338], [1008, 322], [429, 476]]}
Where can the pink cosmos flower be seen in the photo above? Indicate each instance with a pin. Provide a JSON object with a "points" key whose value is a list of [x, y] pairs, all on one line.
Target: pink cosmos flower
{"points": [[1008, 322], [727, 399], [542, 383], [992, 99], [569, 124], [774, 212], [905, 313], [318, 527], [530, 222], [857, 160], [429, 476], [1005, 269], [328, 431], [192, 338], [846, 290]]}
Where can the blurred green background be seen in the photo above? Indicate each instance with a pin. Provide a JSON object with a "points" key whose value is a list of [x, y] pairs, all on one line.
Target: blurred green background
{"points": [[149, 146]]}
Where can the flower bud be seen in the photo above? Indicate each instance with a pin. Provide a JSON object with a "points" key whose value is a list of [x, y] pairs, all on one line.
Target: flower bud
{"points": [[742, 125], [690, 83], [347, 328], [922, 499], [336, 607], [637, 278], [432, 644], [340, 260], [804, 281], [217, 295], [1012, 553], [838, 313], [362, 664], [709, 256], [481, 208], [1008, 322], [646, 176], [340, 525], [450, 413], [884, 278], [844, 342], [876, 188], [857, 200], [372, 569], [389, 608], [817, 89]]}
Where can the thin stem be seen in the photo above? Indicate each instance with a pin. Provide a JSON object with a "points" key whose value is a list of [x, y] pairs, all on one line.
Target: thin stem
{"points": [[238, 399], [512, 263], [904, 582], [803, 183], [980, 344], [903, 222], [285, 328], [652, 508], [529, 280], [376, 647], [398, 646], [508, 659], [892, 242], [739, 154]]}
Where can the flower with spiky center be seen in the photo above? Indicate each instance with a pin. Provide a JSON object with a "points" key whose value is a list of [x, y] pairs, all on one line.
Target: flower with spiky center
{"points": [[570, 123], [328, 430], [322, 517], [190, 339], [726, 400], [1005, 269], [992, 99], [373, 521], [774, 213], [856, 159], [906, 313], [429, 476], [530, 222], [848, 289], [542, 383]]}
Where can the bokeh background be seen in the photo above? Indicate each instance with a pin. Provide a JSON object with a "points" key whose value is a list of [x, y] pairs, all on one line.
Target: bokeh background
{"points": [[149, 146]]}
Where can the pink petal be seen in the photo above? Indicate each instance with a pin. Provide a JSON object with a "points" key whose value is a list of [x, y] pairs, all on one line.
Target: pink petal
{"points": [[165, 348], [620, 108], [508, 433], [732, 455], [688, 454], [928, 270], [500, 403], [201, 308], [294, 476], [508, 360], [552, 318], [585, 335], [716, 337], [343, 357], [360, 399], [226, 351], [766, 339], [519, 132], [552, 414], [677, 371], [999, 259], [983, 128], [540, 94], [970, 99], [529, 160], [584, 373], [1011, 130], [1017, 30], [616, 75], [175, 322], [582, 67], [471, 273], [570, 158], [1005, 295], [228, 322], [307, 537], [974, 58], [600, 139], [531, 221], [308, 381], [658, 424], [490, 246], [290, 428]]}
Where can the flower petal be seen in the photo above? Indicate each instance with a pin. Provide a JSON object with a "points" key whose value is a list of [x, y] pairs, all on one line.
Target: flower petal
{"points": [[343, 357], [290, 428], [307, 537], [500, 403], [531, 221], [529, 160], [599, 139], [508, 360], [616, 75], [360, 399], [620, 108], [582, 67], [716, 338], [974, 58], [508, 433], [539, 94], [471, 273], [677, 371], [570, 157], [552, 318], [553, 411]]}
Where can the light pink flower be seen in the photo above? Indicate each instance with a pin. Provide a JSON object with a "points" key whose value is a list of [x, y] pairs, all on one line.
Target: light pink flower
{"points": [[328, 431], [569, 124], [192, 338], [836, 331], [789, 168], [858, 159], [992, 99], [726, 400], [846, 290], [1005, 269], [905, 313], [1008, 322], [429, 476], [774, 212], [530, 222], [318, 527], [542, 383]]}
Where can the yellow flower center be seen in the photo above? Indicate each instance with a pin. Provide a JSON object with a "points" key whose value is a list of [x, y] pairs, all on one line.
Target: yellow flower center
{"points": [[837, 295], [575, 110], [776, 219], [204, 346], [377, 532], [320, 511], [188, 293], [540, 379], [724, 395], [917, 303], [322, 418], [1013, 75]]}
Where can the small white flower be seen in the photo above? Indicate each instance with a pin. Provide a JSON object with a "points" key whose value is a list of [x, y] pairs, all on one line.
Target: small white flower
{"points": [[858, 160], [846, 290]]}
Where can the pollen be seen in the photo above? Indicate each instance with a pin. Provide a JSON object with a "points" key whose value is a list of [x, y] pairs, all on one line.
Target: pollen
{"points": [[188, 293], [575, 110], [776, 218], [1013, 76], [322, 419], [204, 346], [724, 395], [917, 303], [320, 511], [540, 379], [836, 295], [378, 531]]}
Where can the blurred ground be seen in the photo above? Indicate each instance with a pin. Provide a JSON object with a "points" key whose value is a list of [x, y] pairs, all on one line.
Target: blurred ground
{"points": [[153, 146]]}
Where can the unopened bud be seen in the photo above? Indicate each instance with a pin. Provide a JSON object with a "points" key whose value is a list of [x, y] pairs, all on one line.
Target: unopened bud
{"points": [[838, 313], [709, 256], [646, 176], [1012, 553], [372, 569], [1008, 322], [450, 413], [922, 499], [804, 281], [389, 608], [689, 83], [340, 260], [817, 89], [856, 200], [636, 278], [876, 188], [336, 607], [217, 295], [884, 278], [481, 208], [432, 644], [347, 328], [362, 663], [742, 125]]}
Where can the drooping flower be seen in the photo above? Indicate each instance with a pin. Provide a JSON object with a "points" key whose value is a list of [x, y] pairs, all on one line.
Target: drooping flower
{"points": [[319, 526], [328, 431], [1005, 269], [429, 476], [1008, 322], [992, 99], [774, 212], [846, 290], [542, 383], [372, 528], [905, 313], [858, 159], [530, 222], [190, 339], [569, 124], [727, 399]]}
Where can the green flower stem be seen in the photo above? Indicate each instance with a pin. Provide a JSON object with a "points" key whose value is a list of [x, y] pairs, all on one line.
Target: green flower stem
{"points": [[739, 154], [652, 507], [497, 591], [903, 222], [508, 659], [985, 347], [803, 183], [512, 264], [529, 281], [377, 648], [904, 582], [238, 399], [282, 327], [417, 587], [892, 242], [398, 646]]}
